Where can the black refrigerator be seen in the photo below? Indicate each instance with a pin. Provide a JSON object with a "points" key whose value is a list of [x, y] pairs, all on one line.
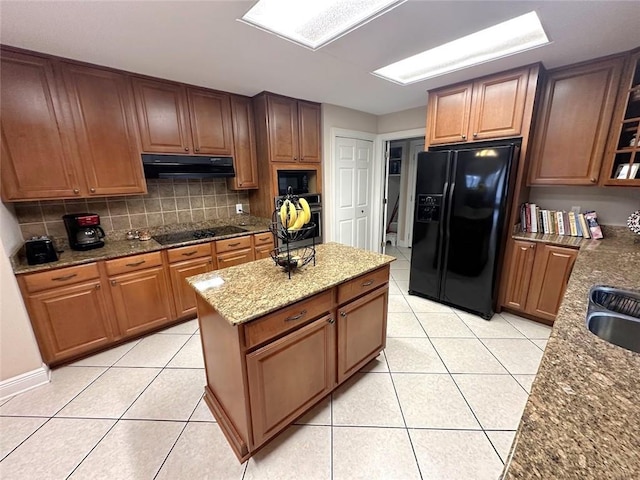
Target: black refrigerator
{"points": [[461, 209]]}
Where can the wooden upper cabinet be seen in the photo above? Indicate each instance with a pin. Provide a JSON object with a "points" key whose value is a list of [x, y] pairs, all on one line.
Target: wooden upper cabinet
{"points": [[448, 114], [210, 114], [105, 130], [520, 268], [490, 107], [37, 158], [574, 122], [163, 118], [309, 132], [244, 145], [283, 129]]}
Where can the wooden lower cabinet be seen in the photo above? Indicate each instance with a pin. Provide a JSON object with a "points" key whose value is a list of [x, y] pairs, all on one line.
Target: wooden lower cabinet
{"points": [[236, 257], [537, 278], [70, 320], [183, 295]]}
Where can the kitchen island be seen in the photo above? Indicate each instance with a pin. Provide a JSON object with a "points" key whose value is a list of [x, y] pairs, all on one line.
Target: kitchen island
{"points": [[274, 347], [582, 419]]}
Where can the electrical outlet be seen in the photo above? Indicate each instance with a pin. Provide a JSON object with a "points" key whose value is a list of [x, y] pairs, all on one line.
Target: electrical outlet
{"points": [[238, 208], [576, 208]]}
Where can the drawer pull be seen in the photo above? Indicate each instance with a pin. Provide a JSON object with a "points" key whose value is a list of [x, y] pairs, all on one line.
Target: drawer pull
{"points": [[98, 287], [367, 283], [234, 244], [296, 317], [135, 264], [231, 259], [188, 254], [113, 282], [64, 277], [343, 314], [331, 321]]}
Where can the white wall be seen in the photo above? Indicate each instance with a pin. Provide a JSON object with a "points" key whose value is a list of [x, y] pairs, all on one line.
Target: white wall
{"points": [[18, 349], [403, 120], [613, 204]]}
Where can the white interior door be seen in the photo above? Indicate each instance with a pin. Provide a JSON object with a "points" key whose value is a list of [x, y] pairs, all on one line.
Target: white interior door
{"points": [[354, 170], [415, 147]]}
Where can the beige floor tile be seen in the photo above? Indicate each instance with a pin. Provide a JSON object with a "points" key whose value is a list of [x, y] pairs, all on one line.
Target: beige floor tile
{"points": [[423, 305], [172, 395], [133, 449], [497, 400], [202, 452], [466, 355], [373, 453], [299, 452], [46, 400], [378, 364], [367, 399], [526, 381], [397, 303], [541, 344], [106, 358], [15, 430], [444, 325], [202, 413], [413, 355], [497, 327], [529, 328], [318, 415], [402, 275], [400, 264], [404, 324], [111, 394], [189, 356], [455, 455], [153, 351], [432, 401], [517, 356], [54, 450], [502, 441], [393, 288], [403, 286], [185, 328]]}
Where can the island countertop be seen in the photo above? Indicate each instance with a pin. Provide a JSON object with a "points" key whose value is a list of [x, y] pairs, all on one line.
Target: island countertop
{"points": [[582, 419], [248, 291]]}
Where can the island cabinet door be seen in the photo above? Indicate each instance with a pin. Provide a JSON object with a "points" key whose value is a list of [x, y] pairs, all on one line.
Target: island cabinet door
{"points": [[362, 328], [290, 375]]}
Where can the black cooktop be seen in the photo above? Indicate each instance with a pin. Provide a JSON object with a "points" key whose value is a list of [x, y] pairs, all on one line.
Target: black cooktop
{"points": [[191, 235]]}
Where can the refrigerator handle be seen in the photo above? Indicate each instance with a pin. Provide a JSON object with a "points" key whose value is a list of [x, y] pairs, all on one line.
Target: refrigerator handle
{"points": [[451, 175]]}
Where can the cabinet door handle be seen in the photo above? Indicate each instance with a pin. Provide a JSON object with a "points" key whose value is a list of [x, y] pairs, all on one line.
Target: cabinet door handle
{"points": [[343, 314], [592, 180], [113, 282], [302, 159], [188, 254], [295, 158], [64, 277], [475, 135], [135, 264], [92, 190], [186, 149], [464, 137], [331, 320], [296, 317], [367, 283], [531, 246], [98, 287], [197, 149], [75, 190], [234, 244]]}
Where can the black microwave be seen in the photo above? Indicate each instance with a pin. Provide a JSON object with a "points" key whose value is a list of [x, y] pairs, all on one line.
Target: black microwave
{"points": [[298, 180]]}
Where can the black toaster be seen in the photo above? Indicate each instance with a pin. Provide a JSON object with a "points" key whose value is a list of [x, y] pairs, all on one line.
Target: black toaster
{"points": [[40, 250]]}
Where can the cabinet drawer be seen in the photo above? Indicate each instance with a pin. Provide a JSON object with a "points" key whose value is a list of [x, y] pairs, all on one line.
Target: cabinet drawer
{"points": [[265, 238], [187, 253], [289, 318], [233, 244], [63, 276], [235, 257], [133, 263], [362, 284]]}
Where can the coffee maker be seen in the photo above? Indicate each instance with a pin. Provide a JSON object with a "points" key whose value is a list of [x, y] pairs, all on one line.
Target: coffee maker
{"points": [[84, 231]]}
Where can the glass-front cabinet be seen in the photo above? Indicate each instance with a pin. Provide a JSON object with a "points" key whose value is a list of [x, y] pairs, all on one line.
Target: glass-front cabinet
{"points": [[622, 163]]}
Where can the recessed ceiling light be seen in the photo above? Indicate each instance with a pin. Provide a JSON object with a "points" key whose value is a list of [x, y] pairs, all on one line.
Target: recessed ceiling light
{"points": [[506, 38], [315, 23]]}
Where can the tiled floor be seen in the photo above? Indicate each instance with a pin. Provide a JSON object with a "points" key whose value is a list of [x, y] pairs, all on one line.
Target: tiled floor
{"points": [[442, 402]]}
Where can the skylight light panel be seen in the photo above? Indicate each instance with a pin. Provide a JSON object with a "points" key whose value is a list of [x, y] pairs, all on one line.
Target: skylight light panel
{"points": [[501, 40], [315, 23]]}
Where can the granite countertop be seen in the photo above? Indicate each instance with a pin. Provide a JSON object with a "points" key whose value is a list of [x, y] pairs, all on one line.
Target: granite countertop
{"points": [[248, 291], [582, 419], [121, 248], [560, 240]]}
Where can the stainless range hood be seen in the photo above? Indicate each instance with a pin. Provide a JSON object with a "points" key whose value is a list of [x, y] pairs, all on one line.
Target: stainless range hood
{"points": [[186, 166]]}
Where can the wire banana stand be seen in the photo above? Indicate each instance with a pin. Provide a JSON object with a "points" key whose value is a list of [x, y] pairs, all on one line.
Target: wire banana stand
{"points": [[288, 256]]}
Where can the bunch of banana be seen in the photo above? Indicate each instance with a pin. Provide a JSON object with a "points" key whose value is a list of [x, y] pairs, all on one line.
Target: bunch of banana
{"points": [[292, 218]]}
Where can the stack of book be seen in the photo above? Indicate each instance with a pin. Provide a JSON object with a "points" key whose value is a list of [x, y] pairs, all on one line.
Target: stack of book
{"points": [[536, 220]]}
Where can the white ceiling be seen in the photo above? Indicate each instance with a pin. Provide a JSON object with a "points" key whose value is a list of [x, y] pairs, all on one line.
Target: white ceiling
{"points": [[201, 43]]}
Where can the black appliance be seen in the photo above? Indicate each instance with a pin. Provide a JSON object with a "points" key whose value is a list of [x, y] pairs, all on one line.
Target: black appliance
{"points": [[84, 231], [193, 235], [186, 166], [460, 215], [40, 250], [297, 180], [315, 205]]}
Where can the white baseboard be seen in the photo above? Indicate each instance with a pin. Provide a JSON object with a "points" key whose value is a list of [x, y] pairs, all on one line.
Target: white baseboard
{"points": [[26, 381]]}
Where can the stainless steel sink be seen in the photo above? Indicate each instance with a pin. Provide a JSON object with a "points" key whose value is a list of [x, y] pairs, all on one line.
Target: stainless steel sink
{"points": [[614, 316]]}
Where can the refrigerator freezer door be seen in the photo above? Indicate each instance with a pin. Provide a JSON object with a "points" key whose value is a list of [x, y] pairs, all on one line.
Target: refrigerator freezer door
{"points": [[476, 207], [428, 229]]}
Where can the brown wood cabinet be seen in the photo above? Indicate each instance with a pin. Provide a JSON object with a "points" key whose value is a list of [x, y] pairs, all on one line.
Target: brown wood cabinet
{"points": [[537, 278], [263, 244], [245, 161], [490, 107], [573, 123], [178, 119], [183, 295]]}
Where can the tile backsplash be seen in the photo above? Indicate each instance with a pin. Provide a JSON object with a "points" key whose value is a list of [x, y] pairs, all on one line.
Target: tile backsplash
{"points": [[167, 202]]}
